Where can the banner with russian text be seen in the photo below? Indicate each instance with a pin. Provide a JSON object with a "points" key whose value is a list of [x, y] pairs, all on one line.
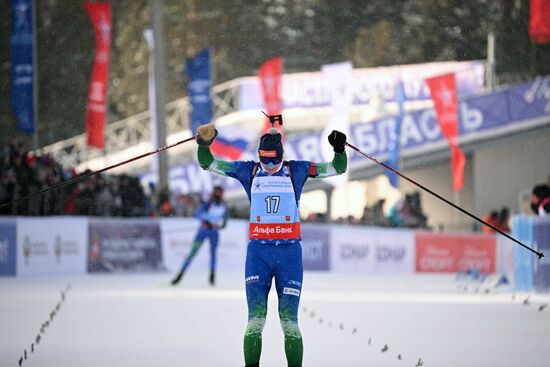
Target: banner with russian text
{"points": [[270, 74], [22, 64], [372, 250], [100, 16], [443, 91], [200, 89], [518, 108], [124, 245], [454, 252]]}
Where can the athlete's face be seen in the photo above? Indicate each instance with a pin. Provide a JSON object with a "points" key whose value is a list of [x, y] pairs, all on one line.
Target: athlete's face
{"points": [[271, 165]]}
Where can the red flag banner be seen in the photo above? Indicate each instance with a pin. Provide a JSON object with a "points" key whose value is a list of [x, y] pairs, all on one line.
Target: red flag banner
{"points": [[539, 21], [100, 16], [443, 91], [270, 80]]}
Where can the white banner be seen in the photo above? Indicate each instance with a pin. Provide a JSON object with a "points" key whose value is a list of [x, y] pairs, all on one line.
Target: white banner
{"points": [[339, 78], [372, 250], [306, 90], [51, 245], [177, 240]]}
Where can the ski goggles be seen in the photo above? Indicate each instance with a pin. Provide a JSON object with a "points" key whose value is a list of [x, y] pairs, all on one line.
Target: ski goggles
{"points": [[267, 160]]}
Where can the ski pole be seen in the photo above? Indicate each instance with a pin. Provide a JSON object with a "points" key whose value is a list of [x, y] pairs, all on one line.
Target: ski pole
{"points": [[539, 254]]}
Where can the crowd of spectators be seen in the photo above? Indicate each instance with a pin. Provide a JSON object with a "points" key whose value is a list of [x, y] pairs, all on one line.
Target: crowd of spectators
{"points": [[406, 213], [22, 173]]}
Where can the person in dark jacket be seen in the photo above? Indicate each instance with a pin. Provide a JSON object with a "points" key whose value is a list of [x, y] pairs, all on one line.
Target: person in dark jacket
{"points": [[540, 199]]}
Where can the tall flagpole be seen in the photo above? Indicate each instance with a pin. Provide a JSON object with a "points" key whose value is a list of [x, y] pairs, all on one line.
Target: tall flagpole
{"points": [[34, 75], [156, 12]]}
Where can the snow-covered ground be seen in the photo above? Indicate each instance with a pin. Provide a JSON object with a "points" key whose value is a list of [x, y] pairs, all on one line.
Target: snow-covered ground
{"points": [[136, 320]]}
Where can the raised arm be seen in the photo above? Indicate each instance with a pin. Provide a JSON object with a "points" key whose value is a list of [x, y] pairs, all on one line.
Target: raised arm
{"points": [[239, 170], [339, 163], [205, 136]]}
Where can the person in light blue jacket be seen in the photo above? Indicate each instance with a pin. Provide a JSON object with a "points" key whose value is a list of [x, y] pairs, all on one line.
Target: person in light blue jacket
{"points": [[213, 217]]}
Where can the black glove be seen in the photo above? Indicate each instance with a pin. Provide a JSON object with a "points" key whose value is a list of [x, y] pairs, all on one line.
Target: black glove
{"points": [[206, 135], [338, 141]]}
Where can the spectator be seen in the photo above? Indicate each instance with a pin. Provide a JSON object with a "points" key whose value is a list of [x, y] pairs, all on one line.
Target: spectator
{"points": [[540, 199], [104, 198], [165, 208], [181, 205], [417, 218], [397, 213], [71, 194], [504, 219], [85, 204], [374, 215], [493, 219]]}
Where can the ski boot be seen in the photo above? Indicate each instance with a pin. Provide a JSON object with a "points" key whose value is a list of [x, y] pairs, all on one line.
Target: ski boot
{"points": [[212, 278], [177, 278]]}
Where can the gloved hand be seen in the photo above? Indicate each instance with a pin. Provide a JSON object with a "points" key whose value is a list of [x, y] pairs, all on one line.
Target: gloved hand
{"points": [[206, 134], [338, 141]]}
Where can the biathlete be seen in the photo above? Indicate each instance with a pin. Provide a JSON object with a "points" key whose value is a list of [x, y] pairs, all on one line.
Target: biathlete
{"points": [[213, 217], [273, 187]]}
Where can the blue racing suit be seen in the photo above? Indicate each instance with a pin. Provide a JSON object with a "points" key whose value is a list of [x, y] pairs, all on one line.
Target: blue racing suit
{"points": [[274, 250], [213, 217]]}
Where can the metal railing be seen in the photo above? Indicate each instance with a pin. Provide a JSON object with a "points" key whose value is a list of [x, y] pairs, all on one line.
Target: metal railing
{"points": [[120, 135]]}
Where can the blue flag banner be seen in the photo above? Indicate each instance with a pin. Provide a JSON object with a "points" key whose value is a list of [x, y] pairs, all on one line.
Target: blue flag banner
{"points": [[22, 66], [394, 143], [199, 89]]}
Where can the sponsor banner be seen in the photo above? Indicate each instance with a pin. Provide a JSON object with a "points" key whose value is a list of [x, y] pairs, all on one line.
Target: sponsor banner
{"points": [[522, 230], [315, 247], [372, 250], [303, 90], [451, 253], [8, 232], [177, 240], [51, 245], [119, 245], [541, 241], [504, 111], [274, 231]]}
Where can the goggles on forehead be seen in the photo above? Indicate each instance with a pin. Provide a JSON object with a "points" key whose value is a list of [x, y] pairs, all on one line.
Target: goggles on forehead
{"points": [[267, 160]]}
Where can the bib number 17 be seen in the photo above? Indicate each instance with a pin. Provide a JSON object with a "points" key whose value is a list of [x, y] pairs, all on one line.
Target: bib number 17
{"points": [[272, 202]]}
